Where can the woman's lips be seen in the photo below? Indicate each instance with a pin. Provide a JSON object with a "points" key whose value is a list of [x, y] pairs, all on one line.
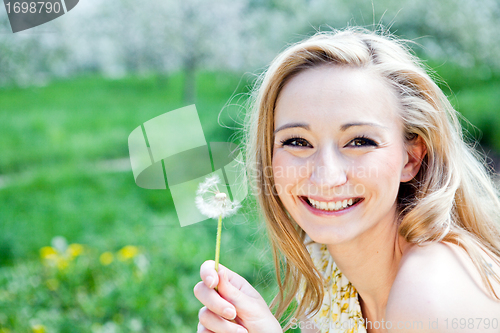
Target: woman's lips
{"points": [[321, 212]]}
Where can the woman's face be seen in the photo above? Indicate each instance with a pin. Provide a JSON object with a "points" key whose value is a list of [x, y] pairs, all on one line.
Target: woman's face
{"points": [[338, 154]]}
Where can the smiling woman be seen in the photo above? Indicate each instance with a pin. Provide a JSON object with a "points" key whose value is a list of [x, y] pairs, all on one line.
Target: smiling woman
{"points": [[380, 216]]}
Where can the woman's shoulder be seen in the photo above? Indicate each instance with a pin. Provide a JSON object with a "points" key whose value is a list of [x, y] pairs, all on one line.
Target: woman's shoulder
{"points": [[440, 281]]}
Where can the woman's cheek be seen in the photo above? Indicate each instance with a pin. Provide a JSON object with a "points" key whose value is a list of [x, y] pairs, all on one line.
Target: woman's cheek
{"points": [[288, 161], [287, 173]]}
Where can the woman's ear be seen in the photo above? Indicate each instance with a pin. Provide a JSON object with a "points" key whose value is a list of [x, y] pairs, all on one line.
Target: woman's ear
{"points": [[416, 150]]}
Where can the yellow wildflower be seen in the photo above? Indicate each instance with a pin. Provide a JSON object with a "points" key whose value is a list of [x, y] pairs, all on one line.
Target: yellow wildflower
{"points": [[48, 252], [74, 250], [128, 252], [106, 258], [38, 328], [62, 263], [51, 256]]}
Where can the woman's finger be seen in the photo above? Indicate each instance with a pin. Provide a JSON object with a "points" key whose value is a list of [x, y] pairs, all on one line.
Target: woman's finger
{"points": [[208, 274], [211, 278], [213, 322], [202, 329], [213, 301], [239, 282], [246, 300]]}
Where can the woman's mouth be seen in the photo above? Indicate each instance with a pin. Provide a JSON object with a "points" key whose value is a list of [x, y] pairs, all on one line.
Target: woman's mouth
{"points": [[330, 207]]}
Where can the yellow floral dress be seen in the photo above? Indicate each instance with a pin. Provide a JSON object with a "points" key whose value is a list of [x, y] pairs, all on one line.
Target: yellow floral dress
{"points": [[340, 311]]}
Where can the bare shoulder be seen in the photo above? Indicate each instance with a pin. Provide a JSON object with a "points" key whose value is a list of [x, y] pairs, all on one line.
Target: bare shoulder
{"points": [[437, 283]]}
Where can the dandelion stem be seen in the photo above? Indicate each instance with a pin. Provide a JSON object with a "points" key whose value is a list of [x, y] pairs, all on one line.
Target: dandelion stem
{"points": [[217, 246]]}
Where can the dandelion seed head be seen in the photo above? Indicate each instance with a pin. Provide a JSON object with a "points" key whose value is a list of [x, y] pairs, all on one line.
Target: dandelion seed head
{"points": [[213, 203], [209, 185], [221, 196]]}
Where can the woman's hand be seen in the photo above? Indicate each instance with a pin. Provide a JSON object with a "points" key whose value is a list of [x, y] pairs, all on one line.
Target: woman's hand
{"points": [[236, 308]]}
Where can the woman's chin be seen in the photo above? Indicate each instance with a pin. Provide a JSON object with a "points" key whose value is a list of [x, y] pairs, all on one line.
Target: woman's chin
{"points": [[328, 236]]}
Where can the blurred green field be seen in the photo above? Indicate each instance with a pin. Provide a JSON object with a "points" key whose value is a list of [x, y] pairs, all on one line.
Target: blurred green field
{"points": [[475, 93], [53, 182], [52, 141]]}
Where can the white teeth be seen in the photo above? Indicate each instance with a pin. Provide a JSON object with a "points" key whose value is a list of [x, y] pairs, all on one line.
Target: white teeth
{"points": [[331, 205]]}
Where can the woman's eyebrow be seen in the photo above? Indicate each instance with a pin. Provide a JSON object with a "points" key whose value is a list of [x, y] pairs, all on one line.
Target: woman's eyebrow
{"points": [[346, 126], [289, 125], [342, 128]]}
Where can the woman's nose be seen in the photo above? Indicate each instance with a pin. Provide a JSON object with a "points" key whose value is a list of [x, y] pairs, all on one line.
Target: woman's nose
{"points": [[328, 169]]}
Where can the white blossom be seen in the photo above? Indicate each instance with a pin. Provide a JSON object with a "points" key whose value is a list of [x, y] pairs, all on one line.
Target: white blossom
{"points": [[213, 203]]}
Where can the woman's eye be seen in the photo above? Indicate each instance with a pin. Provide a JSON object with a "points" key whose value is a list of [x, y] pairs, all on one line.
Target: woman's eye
{"points": [[361, 141], [295, 142]]}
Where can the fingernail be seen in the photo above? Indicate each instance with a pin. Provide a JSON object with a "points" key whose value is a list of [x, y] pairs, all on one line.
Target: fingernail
{"points": [[210, 281], [242, 330], [229, 313]]}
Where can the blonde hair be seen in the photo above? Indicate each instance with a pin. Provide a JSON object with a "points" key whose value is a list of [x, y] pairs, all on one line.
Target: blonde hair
{"points": [[451, 199]]}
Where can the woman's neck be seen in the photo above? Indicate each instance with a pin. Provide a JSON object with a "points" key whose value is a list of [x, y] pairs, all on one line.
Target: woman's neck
{"points": [[371, 263]]}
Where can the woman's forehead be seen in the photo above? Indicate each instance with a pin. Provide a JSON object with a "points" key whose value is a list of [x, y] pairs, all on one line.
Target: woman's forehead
{"points": [[334, 94]]}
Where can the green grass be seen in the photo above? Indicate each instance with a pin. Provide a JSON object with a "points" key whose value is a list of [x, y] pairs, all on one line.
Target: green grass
{"points": [[90, 118], [52, 139]]}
